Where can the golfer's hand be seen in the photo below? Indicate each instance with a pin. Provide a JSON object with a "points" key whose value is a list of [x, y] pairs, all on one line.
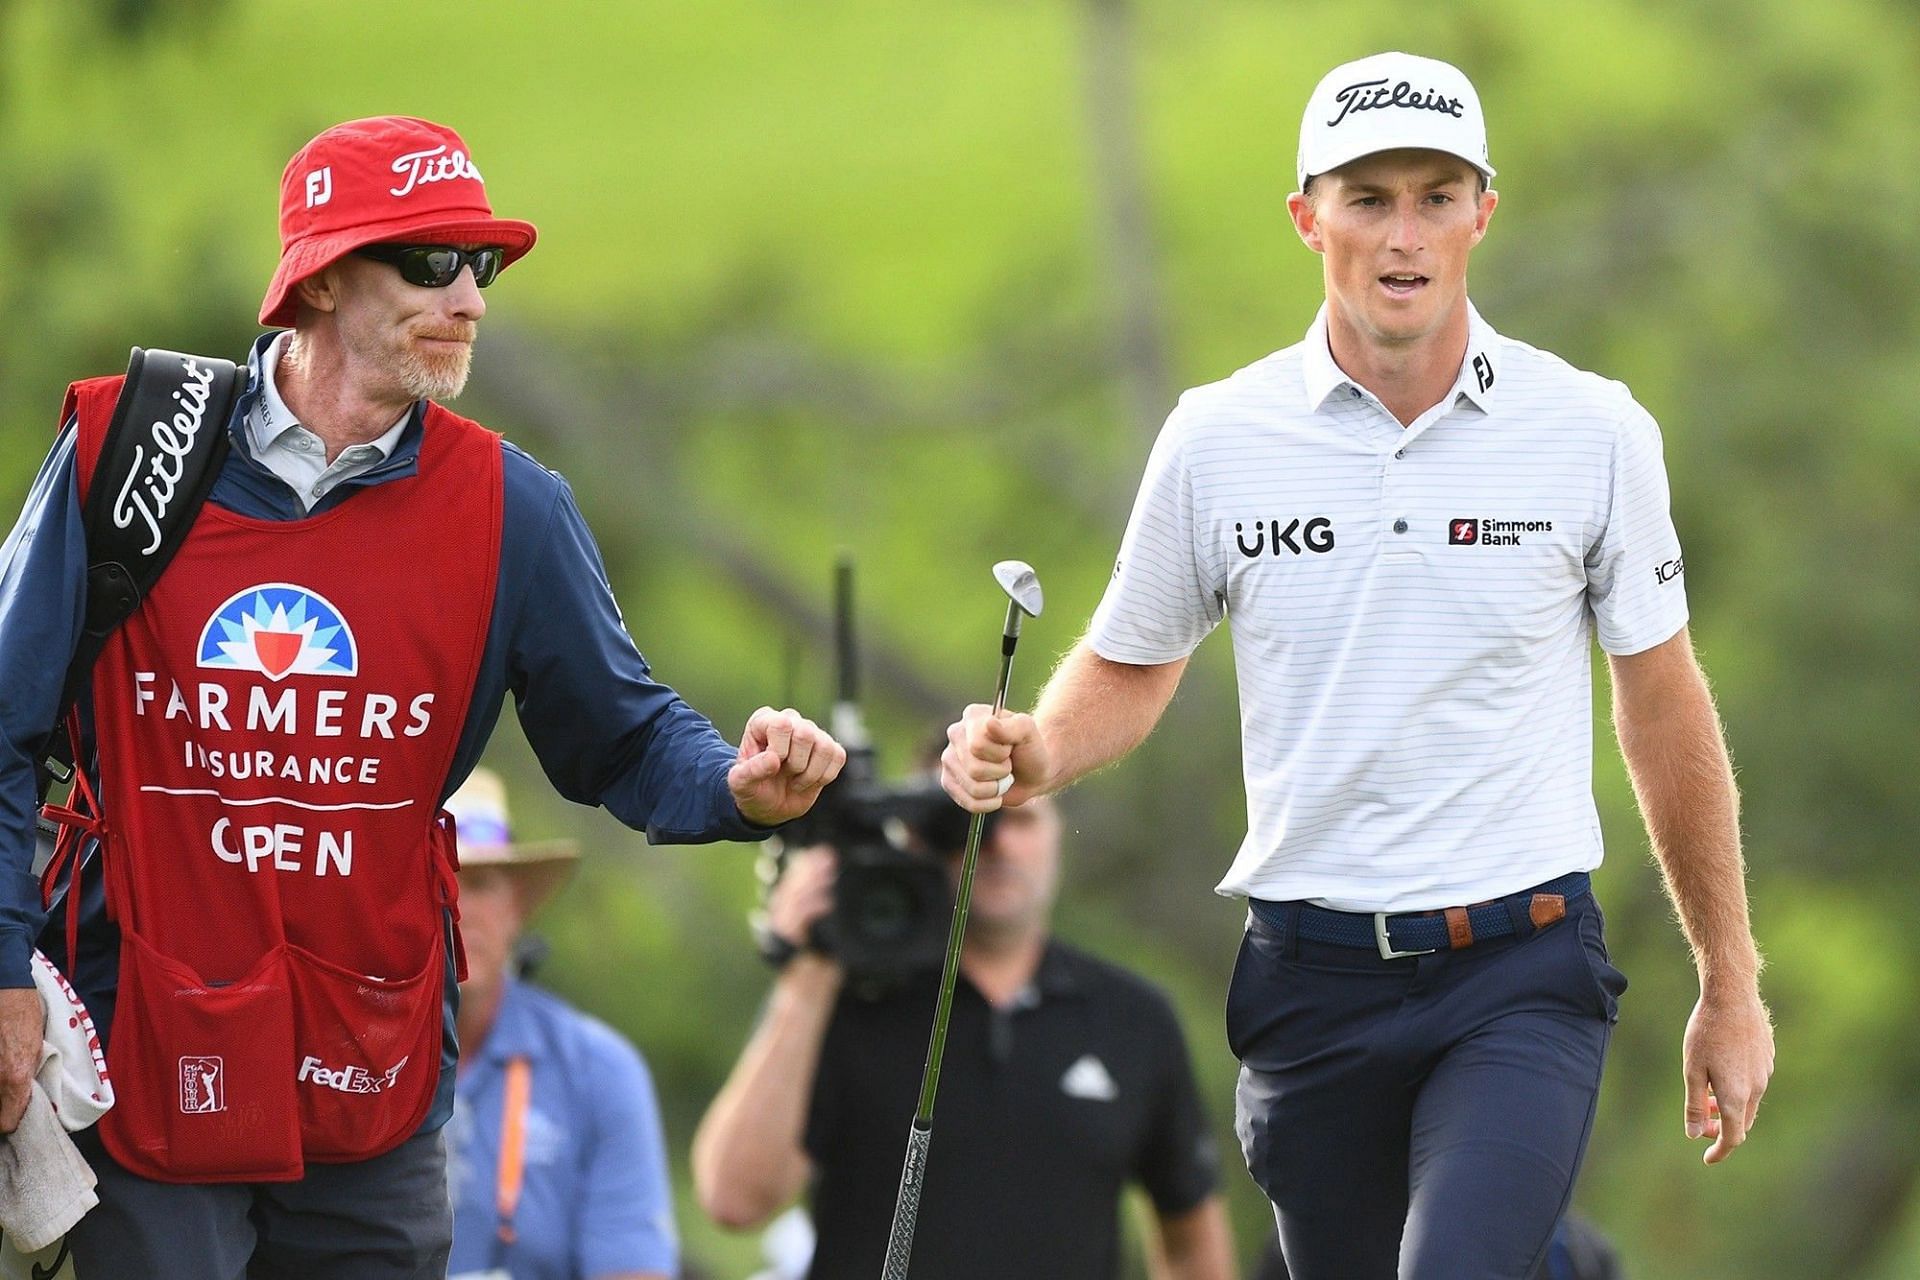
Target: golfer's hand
{"points": [[803, 894], [1727, 1058], [784, 760], [23, 1025], [982, 749]]}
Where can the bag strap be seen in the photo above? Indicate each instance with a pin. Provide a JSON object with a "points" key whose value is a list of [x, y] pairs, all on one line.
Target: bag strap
{"points": [[161, 454]]}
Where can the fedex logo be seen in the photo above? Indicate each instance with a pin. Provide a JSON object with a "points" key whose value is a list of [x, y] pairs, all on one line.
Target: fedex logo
{"points": [[350, 1079]]}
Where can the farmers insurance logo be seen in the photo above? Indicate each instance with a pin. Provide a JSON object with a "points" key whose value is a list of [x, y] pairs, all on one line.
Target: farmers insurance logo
{"points": [[1482, 532], [278, 629]]}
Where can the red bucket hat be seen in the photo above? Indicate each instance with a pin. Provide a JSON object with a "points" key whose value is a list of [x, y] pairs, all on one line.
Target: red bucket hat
{"points": [[388, 178]]}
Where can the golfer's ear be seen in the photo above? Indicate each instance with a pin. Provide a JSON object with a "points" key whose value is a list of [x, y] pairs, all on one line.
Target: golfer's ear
{"points": [[319, 290], [1306, 220]]}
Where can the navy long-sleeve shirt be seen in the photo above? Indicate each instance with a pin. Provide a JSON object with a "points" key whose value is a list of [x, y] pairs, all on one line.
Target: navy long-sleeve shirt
{"points": [[604, 729]]}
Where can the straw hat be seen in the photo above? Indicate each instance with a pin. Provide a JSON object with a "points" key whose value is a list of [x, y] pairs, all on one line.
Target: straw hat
{"points": [[479, 810]]}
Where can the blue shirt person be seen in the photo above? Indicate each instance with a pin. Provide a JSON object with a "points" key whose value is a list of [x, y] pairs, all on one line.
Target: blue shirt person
{"points": [[557, 1166]]}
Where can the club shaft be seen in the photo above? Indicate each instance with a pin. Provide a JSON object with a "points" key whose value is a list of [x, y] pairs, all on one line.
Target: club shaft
{"points": [[906, 1208], [956, 932]]}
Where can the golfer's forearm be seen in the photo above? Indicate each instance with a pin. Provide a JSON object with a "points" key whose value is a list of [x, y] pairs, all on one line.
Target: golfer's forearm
{"points": [[749, 1156], [1094, 711], [1196, 1245], [1670, 735]]}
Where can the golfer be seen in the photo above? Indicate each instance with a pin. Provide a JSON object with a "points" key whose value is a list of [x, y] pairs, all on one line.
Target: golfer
{"points": [[1416, 525]]}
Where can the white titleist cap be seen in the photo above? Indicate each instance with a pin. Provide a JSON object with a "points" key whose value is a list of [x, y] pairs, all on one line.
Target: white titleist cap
{"points": [[1388, 101]]}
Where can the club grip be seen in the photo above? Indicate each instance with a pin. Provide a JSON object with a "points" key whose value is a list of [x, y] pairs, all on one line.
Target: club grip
{"points": [[907, 1208]]}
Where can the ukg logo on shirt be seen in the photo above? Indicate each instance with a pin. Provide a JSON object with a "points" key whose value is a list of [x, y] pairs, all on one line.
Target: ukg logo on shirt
{"points": [[278, 629]]}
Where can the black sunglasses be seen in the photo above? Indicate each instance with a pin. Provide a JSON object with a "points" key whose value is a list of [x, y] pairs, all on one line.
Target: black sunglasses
{"points": [[435, 266]]}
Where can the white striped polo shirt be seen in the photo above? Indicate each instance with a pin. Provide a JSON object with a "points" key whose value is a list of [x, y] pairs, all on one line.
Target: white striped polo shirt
{"points": [[1411, 611]]}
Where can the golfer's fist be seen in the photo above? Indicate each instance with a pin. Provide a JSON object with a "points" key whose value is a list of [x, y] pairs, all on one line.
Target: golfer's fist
{"points": [[784, 760], [993, 760]]}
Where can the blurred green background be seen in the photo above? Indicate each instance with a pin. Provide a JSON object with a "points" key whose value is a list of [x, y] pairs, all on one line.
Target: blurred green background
{"points": [[920, 281]]}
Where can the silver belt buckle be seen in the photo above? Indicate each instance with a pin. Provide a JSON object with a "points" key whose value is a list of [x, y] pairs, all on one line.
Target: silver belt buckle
{"points": [[1386, 946]]}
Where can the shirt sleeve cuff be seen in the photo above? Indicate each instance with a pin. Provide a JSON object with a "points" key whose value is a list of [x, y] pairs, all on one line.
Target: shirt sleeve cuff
{"points": [[16, 959], [727, 822]]}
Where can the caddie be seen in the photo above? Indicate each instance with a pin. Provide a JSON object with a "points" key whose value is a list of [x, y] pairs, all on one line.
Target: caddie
{"points": [[1417, 527], [267, 934]]}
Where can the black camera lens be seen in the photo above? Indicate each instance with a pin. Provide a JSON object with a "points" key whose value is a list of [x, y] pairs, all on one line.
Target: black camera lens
{"points": [[888, 911]]}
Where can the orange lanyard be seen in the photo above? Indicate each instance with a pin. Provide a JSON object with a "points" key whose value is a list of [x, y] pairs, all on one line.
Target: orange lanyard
{"points": [[518, 1092]]}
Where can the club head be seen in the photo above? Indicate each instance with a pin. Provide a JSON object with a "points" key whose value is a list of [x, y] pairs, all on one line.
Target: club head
{"points": [[1022, 585]]}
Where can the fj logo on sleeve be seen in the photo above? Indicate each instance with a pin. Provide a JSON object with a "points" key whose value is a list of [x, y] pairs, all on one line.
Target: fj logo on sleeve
{"points": [[1088, 1078]]}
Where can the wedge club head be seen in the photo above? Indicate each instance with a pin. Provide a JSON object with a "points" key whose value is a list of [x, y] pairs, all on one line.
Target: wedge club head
{"points": [[1022, 585]]}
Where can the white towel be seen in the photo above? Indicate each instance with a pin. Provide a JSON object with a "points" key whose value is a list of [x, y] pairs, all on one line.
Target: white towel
{"points": [[45, 1183], [72, 1070]]}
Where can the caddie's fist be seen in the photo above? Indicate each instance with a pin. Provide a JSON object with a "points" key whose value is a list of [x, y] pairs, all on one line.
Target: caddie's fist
{"points": [[991, 760], [784, 760]]}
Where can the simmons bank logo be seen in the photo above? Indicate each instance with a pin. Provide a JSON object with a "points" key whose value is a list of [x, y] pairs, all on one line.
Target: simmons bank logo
{"points": [[279, 630]]}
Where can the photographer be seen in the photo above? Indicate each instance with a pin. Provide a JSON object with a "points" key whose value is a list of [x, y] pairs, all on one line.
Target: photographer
{"points": [[1065, 1078]]}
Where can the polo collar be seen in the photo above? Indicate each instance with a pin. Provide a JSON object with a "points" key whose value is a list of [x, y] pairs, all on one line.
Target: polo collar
{"points": [[1478, 378], [513, 1033], [268, 418], [1057, 975]]}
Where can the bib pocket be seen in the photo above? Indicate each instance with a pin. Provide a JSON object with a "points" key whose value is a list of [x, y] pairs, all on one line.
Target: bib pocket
{"points": [[366, 1058], [200, 1072]]}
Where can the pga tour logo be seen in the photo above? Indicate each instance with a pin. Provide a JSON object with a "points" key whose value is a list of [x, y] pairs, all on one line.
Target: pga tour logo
{"points": [[278, 629], [203, 1086]]}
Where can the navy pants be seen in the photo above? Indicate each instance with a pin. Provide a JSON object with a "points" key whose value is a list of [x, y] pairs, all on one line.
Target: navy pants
{"points": [[1420, 1118], [387, 1218]]}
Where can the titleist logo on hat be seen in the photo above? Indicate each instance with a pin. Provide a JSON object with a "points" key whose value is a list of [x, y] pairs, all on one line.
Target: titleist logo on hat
{"points": [[1372, 95], [440, 164]]}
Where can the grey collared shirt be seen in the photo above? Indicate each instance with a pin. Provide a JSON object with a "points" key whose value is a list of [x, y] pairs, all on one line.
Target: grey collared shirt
{"points": [[294, 453]]}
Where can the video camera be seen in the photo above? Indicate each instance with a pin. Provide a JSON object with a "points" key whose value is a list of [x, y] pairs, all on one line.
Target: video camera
{"points": [[892, 901]]}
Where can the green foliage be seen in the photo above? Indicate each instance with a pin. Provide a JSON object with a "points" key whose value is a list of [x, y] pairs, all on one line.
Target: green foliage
{"points": [[829, 276]]}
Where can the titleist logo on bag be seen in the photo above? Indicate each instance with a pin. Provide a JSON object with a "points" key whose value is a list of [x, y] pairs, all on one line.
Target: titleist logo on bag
{"points": [[152, 484], [1373, 95], [436, 165]]}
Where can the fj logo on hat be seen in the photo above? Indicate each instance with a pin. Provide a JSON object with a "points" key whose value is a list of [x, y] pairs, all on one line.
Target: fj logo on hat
{"points": [[320, 186]]}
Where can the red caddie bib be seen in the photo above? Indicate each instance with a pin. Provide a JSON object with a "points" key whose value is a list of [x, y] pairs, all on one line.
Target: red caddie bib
{"points": [[275, 726]]}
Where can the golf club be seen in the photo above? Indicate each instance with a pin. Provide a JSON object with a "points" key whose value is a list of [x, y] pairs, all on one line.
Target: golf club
{"points": [[1024, 601]]}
